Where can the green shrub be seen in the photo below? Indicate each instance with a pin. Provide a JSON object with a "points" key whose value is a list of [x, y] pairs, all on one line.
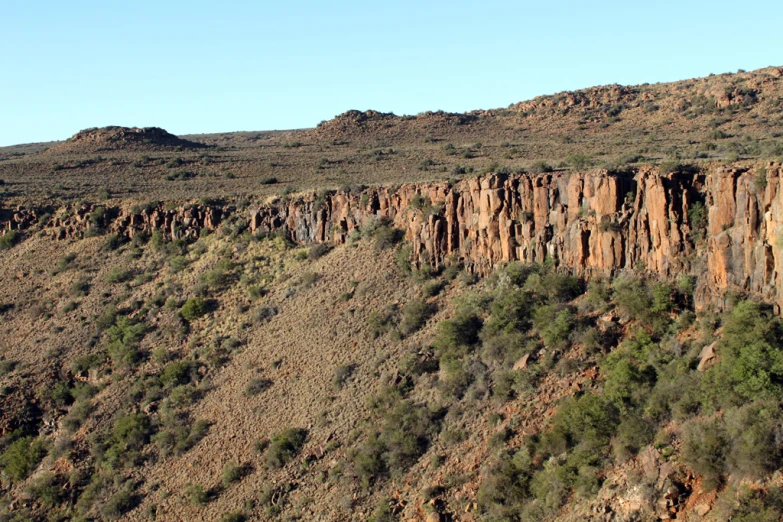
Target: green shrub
{"points": [[697, 217], [754, 431], [510, 312], [554, 324], [578, 161], [420, 202], [631, 295], [284, 447], [381, 322], [506, 484], [113, 242], [751, 365], [403, 437], [403, 257], [590, 420], [703, 445], [21, 457], [176, 373], [123, 339], [132, 431], [80, 287], [193, 308], [47, 490], [232, 472], [387, 237], [196, 494], [119, 504], [414, 315], [118, 275], [10, 239], [456, 335], [318, 251], [540, 167]]}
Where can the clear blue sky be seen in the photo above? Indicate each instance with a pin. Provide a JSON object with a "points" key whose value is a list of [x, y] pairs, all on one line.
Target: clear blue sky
{"points": [[196, 66]]}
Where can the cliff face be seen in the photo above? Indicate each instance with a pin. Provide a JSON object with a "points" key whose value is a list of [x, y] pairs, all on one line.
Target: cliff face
{"points": [[719, 226]]}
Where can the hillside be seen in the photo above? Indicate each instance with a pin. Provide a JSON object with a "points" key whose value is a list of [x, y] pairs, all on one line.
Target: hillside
{"points": [[722, 117], [564, 310]]}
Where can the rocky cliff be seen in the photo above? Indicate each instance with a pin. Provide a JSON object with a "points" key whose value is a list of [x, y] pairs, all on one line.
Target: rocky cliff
{"points": [[719, 225]]}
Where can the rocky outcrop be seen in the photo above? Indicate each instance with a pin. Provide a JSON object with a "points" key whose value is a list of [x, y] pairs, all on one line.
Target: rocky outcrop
{"points": [[720, 226]]}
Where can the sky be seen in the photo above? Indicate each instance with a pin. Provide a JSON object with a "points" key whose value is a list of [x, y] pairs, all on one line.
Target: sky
{"points": [[202, 67]]}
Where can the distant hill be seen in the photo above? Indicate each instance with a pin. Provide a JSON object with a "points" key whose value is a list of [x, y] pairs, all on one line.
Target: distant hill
{"points": [[122, 138]]}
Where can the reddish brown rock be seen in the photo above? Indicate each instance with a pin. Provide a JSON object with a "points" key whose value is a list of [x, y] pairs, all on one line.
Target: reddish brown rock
{"points": [[594, 223]]}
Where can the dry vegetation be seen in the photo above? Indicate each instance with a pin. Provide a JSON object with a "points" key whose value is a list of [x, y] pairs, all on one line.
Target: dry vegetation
{"points": [[722, 117], [241, 377]]}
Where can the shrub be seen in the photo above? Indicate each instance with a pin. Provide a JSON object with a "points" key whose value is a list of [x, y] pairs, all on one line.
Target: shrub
{"points": [[579, 161], [21, 457], [506, 484], [193, 308], [381, 322], [113, 242], [387, 237], [751, 365], [176, 373], [509, 312], [697, 216], [703, 444], [414, 315], [284, 447], [119, 504], [462, 331], [631, 296], [257, 385], [420, 202], [80, 287], [196, 494], [432, 288], [123, 338], [118, 275], [554, 325], [540, 167], [47, 490], [403, 437], [10, 239], [233, 517], [132, 431], [754, 430], [317, 251], [403, 257], [269, 181], [341, 374], [264, 313], [232, 472], [590, 420]]}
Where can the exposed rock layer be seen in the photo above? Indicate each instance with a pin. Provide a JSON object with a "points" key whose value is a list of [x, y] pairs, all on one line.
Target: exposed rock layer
{"points": [[719, 226]]}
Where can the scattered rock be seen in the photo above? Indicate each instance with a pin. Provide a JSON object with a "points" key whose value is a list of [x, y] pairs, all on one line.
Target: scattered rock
{"points": [[707, 356]]}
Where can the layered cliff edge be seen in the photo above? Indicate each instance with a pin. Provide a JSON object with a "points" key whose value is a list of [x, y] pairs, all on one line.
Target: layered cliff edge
{"points": [[718, 224]]}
